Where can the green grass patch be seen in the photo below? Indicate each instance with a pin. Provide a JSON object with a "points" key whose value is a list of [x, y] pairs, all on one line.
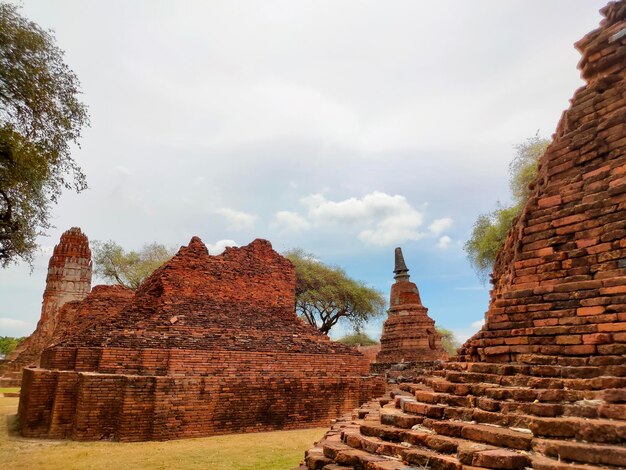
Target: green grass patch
{"points": [[258, 451], [9, 389]]}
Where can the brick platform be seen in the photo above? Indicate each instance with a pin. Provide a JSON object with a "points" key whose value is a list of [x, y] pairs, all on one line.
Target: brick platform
{"points": [[207, 345], [543, 384]]}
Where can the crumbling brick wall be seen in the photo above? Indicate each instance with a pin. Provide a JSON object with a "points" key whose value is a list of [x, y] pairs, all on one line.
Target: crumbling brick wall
{"points": [[207, 345]]}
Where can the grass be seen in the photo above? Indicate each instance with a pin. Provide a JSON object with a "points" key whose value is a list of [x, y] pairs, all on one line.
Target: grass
{"points": [[10, 389], [259, 451]]}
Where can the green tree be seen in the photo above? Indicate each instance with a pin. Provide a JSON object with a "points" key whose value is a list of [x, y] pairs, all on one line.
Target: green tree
{"points": [[40, 118], [326, 295], [357, 338], [128, 268], [448, 341], [491, 229], [9, 343]]}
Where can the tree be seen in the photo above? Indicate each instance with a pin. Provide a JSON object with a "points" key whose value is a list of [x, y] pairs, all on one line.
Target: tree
{"points": [[129, 269], [8, 344], [491, 229], [357, 338], [326, 295], [448, 341], [40, 117]]}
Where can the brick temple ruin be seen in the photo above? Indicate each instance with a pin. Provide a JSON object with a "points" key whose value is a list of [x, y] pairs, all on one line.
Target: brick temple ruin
{"points": [[409, 338], [543, 384], [68, 280], [206, 345]]}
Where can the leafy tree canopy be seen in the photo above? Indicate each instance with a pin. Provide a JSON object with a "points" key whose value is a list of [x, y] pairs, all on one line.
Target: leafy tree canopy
{"points": [[326, 295], [357, 339], [9, 343], [40, 117], [448, 341], [491, 229], [128, 268]]}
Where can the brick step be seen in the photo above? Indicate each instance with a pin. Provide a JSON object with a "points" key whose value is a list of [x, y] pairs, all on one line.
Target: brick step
{"points": [[568, 451], [541, 462], [595, 383], [344, 455], [10, 382], [558, 371], [394, 417], [580, 409]]}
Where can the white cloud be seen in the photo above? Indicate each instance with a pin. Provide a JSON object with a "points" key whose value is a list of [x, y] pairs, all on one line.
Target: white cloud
{"points": [[290, 221], [478, 324], [220, 245], [382, 219], [237, 220], [12, 323], [444, 242], [439, 226]]}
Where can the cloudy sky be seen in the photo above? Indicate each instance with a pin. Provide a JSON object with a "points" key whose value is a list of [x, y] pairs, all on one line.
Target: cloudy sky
{"points": [[346, 128]]}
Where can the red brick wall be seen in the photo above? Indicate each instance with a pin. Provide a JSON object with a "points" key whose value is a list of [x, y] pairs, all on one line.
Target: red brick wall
{"points": [[82, 406]]}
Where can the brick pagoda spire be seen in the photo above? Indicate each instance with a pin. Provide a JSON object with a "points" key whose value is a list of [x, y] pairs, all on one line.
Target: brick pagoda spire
{"points": [[409, 334]]}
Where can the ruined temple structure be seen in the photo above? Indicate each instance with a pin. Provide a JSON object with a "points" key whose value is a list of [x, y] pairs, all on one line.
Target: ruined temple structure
{"points": [[409, 337], [206, 345], [68, 279], [543, 384]]}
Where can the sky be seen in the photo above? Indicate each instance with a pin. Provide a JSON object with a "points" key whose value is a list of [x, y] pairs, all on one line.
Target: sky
{"points": [[343, 128]]}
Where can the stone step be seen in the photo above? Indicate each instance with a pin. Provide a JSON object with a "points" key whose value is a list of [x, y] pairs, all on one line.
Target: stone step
{"points": [[347, 456], [494, 435], [599, 454]]}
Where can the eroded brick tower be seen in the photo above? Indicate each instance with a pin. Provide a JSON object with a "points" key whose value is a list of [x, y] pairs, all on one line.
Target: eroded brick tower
{"points": [[68, 279], [409, 334]]}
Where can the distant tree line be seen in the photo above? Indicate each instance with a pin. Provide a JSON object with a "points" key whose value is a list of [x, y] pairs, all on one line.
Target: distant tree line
{"points": [[9, 343]]}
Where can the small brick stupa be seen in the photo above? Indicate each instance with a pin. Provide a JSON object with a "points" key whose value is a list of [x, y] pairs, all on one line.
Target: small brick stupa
{"points": [[68, 279], [543, 384], [207, 345], [409, 336]]}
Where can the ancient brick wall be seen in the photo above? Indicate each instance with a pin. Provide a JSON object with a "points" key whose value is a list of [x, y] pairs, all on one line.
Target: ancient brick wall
{"points": [[207, 345]]}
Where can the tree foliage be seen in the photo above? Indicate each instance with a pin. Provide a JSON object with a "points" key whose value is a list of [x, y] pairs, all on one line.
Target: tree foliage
{"points": [[9, 343], [448, 341], [357, 338], [40, 117], [326, 295], [491, 229], [128, 268]]}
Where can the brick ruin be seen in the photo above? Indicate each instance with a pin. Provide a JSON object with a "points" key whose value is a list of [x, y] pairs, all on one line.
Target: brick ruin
{"points": [[409, 338], [543, 384], [206, 345], [68, 279]]}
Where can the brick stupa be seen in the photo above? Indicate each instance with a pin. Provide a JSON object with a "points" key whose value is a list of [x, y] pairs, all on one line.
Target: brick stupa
{"points": [[543, 384], [68, 279], [207, 345], [409, 334]]}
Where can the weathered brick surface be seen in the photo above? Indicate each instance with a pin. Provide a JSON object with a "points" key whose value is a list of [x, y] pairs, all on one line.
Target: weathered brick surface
{"points": [[543, 384], [207, 345], [68, 279]]}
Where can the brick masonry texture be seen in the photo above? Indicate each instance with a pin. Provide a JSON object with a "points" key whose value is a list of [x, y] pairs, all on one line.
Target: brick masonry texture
{"points": [[543, 384], [207, 345], [68, 279]]}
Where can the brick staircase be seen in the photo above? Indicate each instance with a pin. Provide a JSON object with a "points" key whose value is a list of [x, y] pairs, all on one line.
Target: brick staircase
{"points": [[487, 415], [11, 379]]}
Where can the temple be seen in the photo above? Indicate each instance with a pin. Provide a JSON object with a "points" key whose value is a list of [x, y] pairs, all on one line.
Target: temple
{"points": [[409, 336], [68, 279], [206, 345], [543, 384]]}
